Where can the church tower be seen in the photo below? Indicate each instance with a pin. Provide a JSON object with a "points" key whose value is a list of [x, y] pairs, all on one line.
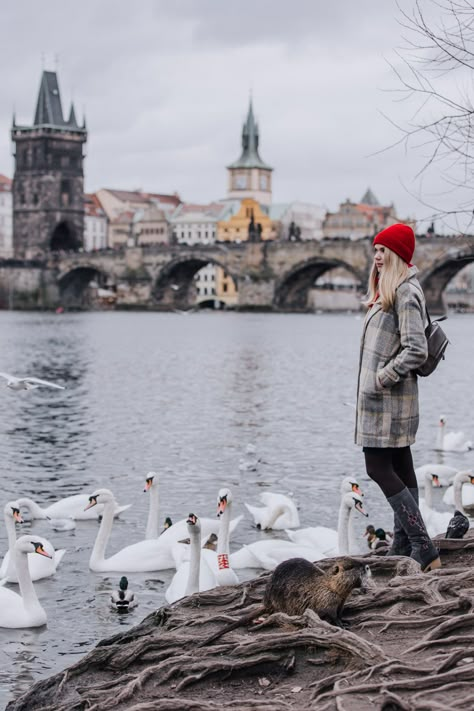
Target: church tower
{"points": [[249, 176], [48, 183]]}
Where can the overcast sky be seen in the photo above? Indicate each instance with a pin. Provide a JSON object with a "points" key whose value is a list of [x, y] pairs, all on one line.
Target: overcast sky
{"points": [[165, 88]]}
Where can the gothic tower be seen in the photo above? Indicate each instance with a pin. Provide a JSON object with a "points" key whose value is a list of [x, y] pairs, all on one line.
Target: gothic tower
{"points": [[48, 183], [249, 176]]}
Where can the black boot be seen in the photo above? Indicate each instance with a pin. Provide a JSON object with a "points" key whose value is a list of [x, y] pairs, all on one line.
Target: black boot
{"points": [[422, 548], [401, 543]]}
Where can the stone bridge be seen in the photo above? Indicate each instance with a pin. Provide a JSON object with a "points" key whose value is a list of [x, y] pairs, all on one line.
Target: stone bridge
{"points": [[268, 275]]}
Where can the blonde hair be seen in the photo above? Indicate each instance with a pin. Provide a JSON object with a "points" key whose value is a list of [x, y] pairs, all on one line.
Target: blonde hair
{"points": [[394, 271]]}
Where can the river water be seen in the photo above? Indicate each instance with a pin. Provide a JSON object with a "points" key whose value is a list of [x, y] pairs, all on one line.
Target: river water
{"points": [[184, 395]]}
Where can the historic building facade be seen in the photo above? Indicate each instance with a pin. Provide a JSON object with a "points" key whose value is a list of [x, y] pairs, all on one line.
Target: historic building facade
{"points": [[249, 176], [250, 222], [95, 224], [6, 217], [356, 220], [48, 184]]}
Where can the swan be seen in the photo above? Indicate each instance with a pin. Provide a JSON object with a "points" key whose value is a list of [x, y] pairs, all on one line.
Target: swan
{"points": [[277, 513], [193, 575], [444, 473], [327, 540], [144, 556], [225, 573], [24, 609], [123, 599], [171, 534], [267, 554], [69, 507], [39, 567], [459, 495], [28, 383], [451, 441], [435, 521]]}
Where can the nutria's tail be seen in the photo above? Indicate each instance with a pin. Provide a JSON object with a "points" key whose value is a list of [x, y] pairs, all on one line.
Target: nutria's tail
{"points": [[233, 625]]}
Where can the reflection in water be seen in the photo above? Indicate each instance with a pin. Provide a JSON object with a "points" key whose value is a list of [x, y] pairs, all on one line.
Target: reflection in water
{"points": [[184, 397]]}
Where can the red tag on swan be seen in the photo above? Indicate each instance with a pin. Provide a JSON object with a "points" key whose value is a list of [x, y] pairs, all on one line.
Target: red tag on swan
{"points": [[223, 561]]}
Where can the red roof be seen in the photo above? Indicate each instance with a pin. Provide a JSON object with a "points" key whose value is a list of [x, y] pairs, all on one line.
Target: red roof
{"points": [[92, 205], [5, 184], [140, 196]]}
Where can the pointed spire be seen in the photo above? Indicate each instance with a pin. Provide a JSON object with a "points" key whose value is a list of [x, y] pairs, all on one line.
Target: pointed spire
{"points": [[250, 138], [48, 107], [369, 198], [72, 118]]}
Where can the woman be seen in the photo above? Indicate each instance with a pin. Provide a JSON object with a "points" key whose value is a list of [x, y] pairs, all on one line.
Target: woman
{"points": [[393, 346]]}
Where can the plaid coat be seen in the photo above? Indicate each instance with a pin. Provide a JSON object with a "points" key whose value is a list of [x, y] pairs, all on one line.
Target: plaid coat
{"points": [[393, 345]]}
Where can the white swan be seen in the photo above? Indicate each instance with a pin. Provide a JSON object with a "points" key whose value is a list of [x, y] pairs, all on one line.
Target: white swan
{"points": [[279, 512], [225, 573], [451, 441], [24, 609], [435, 521], [327, 540], [267, 554], [461, 493], [143, 556], [39, 566], [69, 507], [195, 574], [444, 473], [179, 530]]}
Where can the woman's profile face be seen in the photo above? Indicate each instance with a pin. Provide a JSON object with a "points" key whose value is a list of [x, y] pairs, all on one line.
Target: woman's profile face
{"points": [[379, 256]]}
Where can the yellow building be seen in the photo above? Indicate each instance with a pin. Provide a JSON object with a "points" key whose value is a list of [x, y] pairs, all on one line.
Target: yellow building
{"points": [[249, 223], [226, 290]]}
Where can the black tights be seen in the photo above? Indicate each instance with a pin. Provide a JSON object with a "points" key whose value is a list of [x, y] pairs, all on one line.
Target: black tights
{"points": [[391, 468]]}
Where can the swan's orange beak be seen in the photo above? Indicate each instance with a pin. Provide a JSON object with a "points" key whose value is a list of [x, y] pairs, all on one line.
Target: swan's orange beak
{"points": [[39, 549], [148, 484], [471, 479], [435, 480], [221, 505], [356, 488], [17, 515], [92, 502]]}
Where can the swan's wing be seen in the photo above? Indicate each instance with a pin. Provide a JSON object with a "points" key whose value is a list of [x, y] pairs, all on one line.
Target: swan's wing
{"points": [[58, 556], [38, 381], [257, 513], [118, 509], [235, 522]]}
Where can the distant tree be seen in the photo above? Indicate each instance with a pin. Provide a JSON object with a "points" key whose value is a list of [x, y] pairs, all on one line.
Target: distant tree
{"points": [[436, 70]]}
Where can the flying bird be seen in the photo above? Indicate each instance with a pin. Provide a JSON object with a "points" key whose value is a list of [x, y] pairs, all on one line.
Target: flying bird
{"points": [[28, 383]]}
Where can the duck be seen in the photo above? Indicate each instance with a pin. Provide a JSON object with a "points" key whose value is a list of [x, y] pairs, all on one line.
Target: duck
{"points": [[444, 473], [278, 512], [123, 599], [451, 441], [66, 508], [458, 526], [193, 575], [172, 534], [40, 567], [23, 609], [435, 521], [461, 493]]}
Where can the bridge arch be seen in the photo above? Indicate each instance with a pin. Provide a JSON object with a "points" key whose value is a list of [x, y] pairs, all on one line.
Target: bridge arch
{"points": [[436, 279], [291, 290], [73, 286], [173, 285]]}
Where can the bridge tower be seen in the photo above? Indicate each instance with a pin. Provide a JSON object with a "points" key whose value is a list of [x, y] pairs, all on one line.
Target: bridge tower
{"points": [[48, 183], [249, 176]]}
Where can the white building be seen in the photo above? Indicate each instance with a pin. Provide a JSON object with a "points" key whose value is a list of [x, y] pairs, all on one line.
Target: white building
{"points": [[6, 217], [192, 224], [298, 220], [95, 224]]}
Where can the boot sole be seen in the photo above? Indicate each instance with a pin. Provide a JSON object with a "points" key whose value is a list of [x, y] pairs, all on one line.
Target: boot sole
{"points": [[436, 563]]}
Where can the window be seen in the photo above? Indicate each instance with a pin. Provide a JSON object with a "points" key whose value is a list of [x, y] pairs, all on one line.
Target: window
{"points": [[35, 198]]}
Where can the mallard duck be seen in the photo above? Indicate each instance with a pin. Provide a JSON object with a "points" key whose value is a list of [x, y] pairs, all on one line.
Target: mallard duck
{"points": [[123, 599]]}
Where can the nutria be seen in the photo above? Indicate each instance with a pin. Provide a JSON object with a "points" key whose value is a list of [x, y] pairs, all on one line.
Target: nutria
{"points": [[297, 585]]}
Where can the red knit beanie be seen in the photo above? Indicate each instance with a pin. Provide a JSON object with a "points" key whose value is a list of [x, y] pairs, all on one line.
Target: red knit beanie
{"points": [[400, 239]]}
